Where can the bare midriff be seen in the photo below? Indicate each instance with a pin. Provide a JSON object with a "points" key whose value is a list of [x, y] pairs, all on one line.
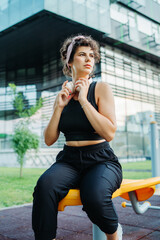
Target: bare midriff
{"points": [[83, 143]]}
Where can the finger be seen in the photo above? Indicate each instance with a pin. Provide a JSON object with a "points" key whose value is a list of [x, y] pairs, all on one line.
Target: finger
{"points": [[66, 87], [64, 84], [78, 81], [64, 94], [80, 84], [66, 91], [78, 87]]}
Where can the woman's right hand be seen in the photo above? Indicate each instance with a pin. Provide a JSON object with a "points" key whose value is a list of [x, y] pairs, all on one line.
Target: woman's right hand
{"points": [[63, 97]]}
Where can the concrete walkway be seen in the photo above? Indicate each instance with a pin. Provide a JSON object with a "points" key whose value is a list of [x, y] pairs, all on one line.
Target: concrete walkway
{"points": [[73, 224]]}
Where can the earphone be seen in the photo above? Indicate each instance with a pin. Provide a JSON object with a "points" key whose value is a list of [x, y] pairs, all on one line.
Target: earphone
{"points": [[71, 86]]}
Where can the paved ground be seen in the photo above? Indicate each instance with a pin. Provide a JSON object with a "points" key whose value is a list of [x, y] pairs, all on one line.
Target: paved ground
{"points": [[73, 224]]}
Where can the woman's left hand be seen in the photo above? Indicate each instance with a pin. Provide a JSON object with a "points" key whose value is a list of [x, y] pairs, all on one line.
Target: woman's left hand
{"points": [[82, 84]]}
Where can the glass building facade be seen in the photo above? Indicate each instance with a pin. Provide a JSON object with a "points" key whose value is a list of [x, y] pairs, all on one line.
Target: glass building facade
{"points": [[136, 88], [81, 11], [31, 33]]}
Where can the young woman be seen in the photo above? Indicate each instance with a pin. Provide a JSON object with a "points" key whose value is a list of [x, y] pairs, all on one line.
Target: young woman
{"points": [[85, 113]]}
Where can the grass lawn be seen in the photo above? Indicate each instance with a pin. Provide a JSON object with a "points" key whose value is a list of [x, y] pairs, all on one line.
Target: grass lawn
{"points": [[144, 165], [137, 175], [16, 191]]}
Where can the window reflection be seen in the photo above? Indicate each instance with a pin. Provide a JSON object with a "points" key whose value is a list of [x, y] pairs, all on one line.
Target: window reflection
{"points": [[136, 86], [119, 143], [117, 15], [142, 75], [110, 68], [120, 112], [135, 147], [157, 92], [15, 11], [131, 18], [92, 13], [127, 72], [119, 71], [120, 81], [132, 137], [144, 25], [136, 23], [3, 4], [129, 84], [150, 81], [108, 78], [150, 90], [135, 76], [144, 88], [65, 8]]}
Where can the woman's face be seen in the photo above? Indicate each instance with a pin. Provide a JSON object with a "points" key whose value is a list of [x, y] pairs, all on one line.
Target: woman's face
{"points": [[83, 61]]}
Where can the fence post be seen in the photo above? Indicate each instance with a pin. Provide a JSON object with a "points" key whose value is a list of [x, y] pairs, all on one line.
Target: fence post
{"points": [[155, 150]]}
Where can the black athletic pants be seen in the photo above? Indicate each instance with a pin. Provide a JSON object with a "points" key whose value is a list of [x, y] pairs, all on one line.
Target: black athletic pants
{"points": [[95, 170]]}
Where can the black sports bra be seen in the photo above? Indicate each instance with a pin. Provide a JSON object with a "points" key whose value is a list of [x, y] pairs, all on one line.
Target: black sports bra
{"points": [[73, 121]]}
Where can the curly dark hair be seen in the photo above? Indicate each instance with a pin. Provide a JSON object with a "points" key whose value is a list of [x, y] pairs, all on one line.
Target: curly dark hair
{"points": [[86, 41]]}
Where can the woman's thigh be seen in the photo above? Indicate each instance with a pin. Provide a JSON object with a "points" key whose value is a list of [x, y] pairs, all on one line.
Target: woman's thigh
{"points": [[59, 178], [99, 183]]}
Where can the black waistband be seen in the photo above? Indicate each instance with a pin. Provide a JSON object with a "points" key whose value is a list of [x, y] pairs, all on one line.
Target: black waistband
{"points": [[87, 148]]}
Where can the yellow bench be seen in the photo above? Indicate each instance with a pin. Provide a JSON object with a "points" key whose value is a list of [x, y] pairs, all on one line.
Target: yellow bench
{"points": [[143, 188], [133, 190]]}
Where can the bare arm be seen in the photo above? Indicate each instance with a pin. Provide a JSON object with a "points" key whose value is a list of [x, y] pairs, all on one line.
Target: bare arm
{"points": [[103, 120], [51, 132]]}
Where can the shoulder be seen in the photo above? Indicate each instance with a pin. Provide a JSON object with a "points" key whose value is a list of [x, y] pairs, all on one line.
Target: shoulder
{"points": [[103, 85], [103, 88]]}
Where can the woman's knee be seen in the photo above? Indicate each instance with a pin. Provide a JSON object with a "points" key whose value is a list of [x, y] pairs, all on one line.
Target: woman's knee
{"points": [[42, 187], [45, 183], [100, 209], [102, 213]]}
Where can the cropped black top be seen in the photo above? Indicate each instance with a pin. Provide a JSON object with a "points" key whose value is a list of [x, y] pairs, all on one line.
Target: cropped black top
{"points": [[73, 121]]}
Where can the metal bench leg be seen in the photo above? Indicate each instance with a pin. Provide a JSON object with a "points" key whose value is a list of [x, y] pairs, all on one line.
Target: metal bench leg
{"points": [[97, 233], [138, 208]]}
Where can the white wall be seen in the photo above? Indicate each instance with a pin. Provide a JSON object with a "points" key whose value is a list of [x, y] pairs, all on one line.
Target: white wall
{"points": [[43, 158]]}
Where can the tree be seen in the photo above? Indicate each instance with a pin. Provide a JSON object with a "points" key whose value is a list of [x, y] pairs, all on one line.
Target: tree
{"points": [[23, 138]]}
